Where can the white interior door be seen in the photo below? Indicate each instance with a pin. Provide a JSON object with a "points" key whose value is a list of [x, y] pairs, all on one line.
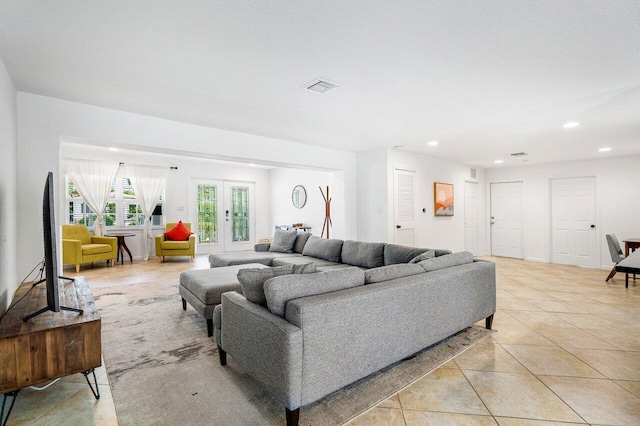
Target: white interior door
{"points": [[239, 216], [573, 234], [471, 217], [507, 219], [404, 185]]}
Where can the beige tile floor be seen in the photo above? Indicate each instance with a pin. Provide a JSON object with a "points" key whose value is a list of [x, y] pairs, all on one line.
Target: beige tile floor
{"points": [[566, 351]]}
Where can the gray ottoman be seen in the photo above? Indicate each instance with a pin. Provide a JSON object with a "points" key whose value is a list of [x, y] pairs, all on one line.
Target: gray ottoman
{"points": [[202, 288]]}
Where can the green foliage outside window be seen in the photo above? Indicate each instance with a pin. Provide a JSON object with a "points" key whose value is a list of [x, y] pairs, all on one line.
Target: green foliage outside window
{"points": [[207, 200]]}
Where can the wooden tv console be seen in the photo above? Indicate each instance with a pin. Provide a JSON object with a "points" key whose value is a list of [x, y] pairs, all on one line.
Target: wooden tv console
{"points": [[52, 344]]}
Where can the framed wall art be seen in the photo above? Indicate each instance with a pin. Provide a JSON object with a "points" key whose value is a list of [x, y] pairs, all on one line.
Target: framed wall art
{"points": [[442, 199]]}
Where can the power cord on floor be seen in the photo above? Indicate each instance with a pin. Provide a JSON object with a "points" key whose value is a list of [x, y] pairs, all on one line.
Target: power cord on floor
{"points": [[45, 386], [41, 274]]}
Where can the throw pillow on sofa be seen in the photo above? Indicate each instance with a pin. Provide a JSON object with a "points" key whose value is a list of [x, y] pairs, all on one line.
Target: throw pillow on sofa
{"points": [[283, 241], [178, 233], [301, 241], [252, 279], [391, 272], [424, 256], [280, 290], [327, 249], [366, 255], [394, 253], [446, 261]]}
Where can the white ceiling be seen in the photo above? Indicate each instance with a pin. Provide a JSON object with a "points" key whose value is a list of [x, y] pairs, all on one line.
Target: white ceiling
{"points": [[486, 79]]}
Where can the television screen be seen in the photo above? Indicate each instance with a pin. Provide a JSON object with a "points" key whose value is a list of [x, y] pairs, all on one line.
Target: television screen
{"points": [[50, 245], [50, 258]]}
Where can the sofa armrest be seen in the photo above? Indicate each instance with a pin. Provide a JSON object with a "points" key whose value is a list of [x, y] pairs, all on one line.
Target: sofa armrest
{"points": [[71, 251], [159, 240], [265, 345], [262, 247], [192, 245]]}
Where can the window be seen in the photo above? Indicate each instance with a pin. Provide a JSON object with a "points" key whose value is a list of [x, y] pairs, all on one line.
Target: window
{"points": [[240, 213], [122, 208], [207, 200]]}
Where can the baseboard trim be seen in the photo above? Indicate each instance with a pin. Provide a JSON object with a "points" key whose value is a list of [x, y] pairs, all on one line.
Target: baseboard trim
{"points": [[536, 259]]}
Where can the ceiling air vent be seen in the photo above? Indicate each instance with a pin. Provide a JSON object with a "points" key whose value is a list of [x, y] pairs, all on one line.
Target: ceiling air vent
{"points": [[321, 86], [519, 154]]}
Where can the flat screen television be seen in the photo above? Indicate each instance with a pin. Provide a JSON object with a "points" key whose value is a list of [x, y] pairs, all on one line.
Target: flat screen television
{"points": [[50, 253]]}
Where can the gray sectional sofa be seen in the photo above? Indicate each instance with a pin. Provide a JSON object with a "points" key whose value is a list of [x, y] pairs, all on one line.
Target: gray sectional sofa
{"points": [[362, 311], [325, 253]]}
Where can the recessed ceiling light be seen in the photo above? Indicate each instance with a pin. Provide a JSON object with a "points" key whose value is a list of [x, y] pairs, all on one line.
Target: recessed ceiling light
{"points": [[113, 149], [606, 149], [499, 161], [432, 143], [252, 165], [571, 124]]}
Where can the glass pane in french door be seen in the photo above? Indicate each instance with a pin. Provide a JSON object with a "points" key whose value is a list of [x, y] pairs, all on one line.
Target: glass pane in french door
{"points": [[240, 231], [207, 200]]}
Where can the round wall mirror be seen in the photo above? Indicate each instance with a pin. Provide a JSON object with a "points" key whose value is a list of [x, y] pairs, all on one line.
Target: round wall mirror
{"points": [[299, 196]]}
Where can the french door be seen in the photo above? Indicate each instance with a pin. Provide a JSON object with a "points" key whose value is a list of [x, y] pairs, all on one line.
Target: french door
{"points": [[223, 214]]}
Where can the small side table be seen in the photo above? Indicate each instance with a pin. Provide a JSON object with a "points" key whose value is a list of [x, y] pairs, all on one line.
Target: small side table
{"points": [[122, 245]]}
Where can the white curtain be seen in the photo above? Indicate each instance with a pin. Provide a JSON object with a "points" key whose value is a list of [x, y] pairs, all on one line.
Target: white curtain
{"points": [[93, 180], [148, 183]]}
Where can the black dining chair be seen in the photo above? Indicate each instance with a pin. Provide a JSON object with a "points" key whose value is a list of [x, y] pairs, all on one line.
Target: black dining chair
{"points": [[616, 253]]}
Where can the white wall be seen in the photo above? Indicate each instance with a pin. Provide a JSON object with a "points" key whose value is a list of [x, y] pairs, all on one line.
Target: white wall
{"points": [[437, 232], [42, 121], [8, 189], [312, 214], [373, 202], [375, 198], [617, 201]]}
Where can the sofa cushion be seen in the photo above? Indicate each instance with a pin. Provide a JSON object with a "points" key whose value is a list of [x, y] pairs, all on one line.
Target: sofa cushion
{"points": [[394, 253], [207, 285], [252, 279], [424, 256], [327, 249], [301, 241], [446, 261], [175, 245], [300, 260], [178, 233], [367, 255], [391, 272], [243, 257], [95, 249], [280, 290], [283, 241]]}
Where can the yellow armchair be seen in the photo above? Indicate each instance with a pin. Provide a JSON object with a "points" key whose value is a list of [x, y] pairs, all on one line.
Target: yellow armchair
{"points": [[79, 246], [165, 247]]}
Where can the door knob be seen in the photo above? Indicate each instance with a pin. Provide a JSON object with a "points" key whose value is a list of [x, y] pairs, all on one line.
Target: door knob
{"points": [[398, 226], [593, 226]]}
